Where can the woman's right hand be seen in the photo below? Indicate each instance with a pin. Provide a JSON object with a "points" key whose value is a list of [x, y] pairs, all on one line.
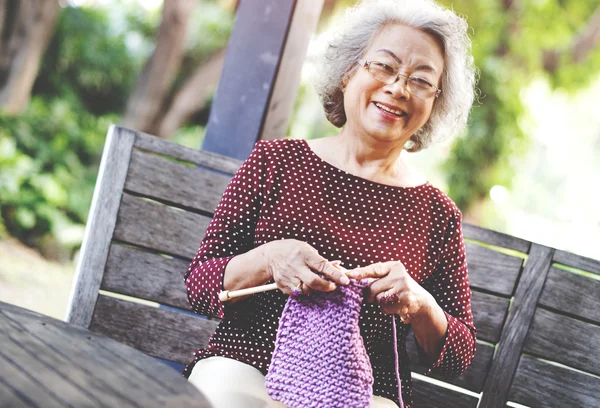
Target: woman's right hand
{"points": [[294, 265]]}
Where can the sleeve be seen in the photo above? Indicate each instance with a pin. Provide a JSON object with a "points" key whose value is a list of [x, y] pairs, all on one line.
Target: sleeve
{"points": [[230, 233], [451, 289]]}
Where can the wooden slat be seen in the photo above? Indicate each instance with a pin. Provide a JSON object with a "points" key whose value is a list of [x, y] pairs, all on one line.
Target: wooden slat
{"points": [[145, 275], [429, 395], [17, 389], [538, 384], [495, 238], [80, 368], [578, 261], [160, 227], [562, 339], [492, 271], [241, 103], [519, 318], [160, 333], [572, 294], [202, 158], [489, 313], [101, 224], [192, 187], [303, 24], [472, 379]]}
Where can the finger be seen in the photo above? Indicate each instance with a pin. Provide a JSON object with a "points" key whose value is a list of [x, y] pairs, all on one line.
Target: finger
{"points": [[313, 281], [324, 267], [298, 289], [388, 298], [376, 270], [375, 287]]}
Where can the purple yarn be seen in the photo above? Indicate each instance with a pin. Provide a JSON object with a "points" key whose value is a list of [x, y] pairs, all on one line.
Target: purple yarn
{"points": [[320, 358]]}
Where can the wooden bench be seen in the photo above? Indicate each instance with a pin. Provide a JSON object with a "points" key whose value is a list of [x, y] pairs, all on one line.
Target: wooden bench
{"points": [[537, 315]]}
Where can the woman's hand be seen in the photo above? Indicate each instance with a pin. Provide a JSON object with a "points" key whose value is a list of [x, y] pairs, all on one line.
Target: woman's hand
{"points": [[395, 290], [294, 265]]}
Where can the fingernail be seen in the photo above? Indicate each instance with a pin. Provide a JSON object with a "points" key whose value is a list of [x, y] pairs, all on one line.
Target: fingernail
{"points": [[345, 280]]}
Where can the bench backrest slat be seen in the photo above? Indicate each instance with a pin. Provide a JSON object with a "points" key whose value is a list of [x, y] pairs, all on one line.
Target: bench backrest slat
{"points": [[159, 332], [539, 384], [146, 275], [572, 294], [552, 337], [165, 229], [183, 184], [492, 271]]}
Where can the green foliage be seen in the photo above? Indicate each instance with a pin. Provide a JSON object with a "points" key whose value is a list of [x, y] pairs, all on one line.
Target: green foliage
{"points": [[509, 48], [49, 158], [88, 62]]}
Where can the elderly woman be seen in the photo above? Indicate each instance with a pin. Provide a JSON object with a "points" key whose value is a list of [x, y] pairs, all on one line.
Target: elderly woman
{"points": [[398, 76]]}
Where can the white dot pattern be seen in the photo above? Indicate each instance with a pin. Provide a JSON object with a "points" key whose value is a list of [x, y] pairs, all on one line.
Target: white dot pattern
{"points": [[284, 190]]}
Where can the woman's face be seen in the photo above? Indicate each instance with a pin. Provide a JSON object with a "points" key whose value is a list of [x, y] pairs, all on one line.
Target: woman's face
{"points": [[408, 51]]}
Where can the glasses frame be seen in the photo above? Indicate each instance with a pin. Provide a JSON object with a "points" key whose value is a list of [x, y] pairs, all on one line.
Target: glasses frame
{"points": [[367, 65]]}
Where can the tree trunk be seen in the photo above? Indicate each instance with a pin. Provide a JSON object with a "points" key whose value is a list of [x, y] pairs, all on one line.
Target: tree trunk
{"points": [[193, 95], [581, 46], [26, 27], [147, 99]]}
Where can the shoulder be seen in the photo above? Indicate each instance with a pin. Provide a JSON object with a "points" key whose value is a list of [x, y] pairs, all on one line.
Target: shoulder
{"points": [[279, 151], [443, 207]]}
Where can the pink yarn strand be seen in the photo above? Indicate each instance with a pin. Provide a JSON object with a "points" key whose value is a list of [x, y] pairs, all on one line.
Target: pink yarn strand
{"points": [[397, 363]]}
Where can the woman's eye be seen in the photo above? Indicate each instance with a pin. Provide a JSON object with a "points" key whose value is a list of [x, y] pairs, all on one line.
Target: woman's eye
{"points": [[385, 68], [420, 81]]}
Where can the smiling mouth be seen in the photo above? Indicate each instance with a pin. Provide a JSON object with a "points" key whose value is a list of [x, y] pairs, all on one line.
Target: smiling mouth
{"points": [[390, 110]]}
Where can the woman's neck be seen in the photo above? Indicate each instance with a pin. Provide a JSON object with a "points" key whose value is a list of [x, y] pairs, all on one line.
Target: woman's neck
{"points": [[370, 159]]}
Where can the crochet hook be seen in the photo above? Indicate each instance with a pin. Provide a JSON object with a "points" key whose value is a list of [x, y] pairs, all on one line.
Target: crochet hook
{"points": [[226, 295]]}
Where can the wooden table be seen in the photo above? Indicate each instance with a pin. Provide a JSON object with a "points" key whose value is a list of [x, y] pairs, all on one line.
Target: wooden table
{"points": [[45, 362]]}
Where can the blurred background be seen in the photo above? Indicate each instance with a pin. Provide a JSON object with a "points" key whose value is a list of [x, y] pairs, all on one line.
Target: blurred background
{"points": [[528, 165]]}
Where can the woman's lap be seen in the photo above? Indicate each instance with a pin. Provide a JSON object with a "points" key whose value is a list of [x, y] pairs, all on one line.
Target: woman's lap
{"points": [[228, 383]]}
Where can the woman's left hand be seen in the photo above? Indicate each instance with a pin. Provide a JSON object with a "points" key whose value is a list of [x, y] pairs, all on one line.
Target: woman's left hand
{"points": [[395, 290]]}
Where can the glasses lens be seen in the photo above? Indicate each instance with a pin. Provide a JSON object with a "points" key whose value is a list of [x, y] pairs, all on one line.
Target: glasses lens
{"points": [[382, 72], [420, 87]]}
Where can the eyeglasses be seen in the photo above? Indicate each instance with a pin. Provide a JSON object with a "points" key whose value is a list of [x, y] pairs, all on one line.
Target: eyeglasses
{"points": [[416, 86]]}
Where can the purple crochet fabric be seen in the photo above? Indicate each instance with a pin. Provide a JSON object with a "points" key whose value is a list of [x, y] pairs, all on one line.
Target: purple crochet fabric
{"points": [[320, 359]]}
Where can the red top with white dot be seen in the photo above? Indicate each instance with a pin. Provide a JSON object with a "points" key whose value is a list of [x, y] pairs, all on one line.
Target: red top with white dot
{"points": [[284, 190]]}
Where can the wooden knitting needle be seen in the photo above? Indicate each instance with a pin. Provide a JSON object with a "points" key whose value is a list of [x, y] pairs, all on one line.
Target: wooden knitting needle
{"points": [[226, 295]]}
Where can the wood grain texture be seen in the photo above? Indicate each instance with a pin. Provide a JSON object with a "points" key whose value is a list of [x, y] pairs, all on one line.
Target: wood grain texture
{"points": [[53, 363], [202, 158], [17, 388], [577, 261], [302, 26], [565, 340], [572, 294], [489, 313], [161, 333], [495, 238], [100, 226], [429, 395], [541, 385], [520, 316], [492, 271], [240, 106], [145, 275], [165, 229], [190, 187], [472, 379]]}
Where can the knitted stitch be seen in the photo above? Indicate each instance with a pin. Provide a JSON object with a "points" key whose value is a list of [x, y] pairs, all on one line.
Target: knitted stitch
{"points": [[320, 359]]}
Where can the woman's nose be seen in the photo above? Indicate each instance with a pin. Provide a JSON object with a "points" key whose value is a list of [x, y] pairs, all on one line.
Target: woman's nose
{"points": [[399, 89]]}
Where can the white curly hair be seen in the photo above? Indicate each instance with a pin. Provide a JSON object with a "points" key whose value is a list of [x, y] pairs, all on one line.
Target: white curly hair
{"points": [[343, 47]]}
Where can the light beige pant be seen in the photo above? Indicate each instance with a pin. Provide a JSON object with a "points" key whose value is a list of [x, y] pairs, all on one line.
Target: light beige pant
{"points": [[228, 383]]}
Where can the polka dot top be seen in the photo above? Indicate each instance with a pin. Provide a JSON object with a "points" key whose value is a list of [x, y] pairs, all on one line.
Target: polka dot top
{"points": [[284, 191]]}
